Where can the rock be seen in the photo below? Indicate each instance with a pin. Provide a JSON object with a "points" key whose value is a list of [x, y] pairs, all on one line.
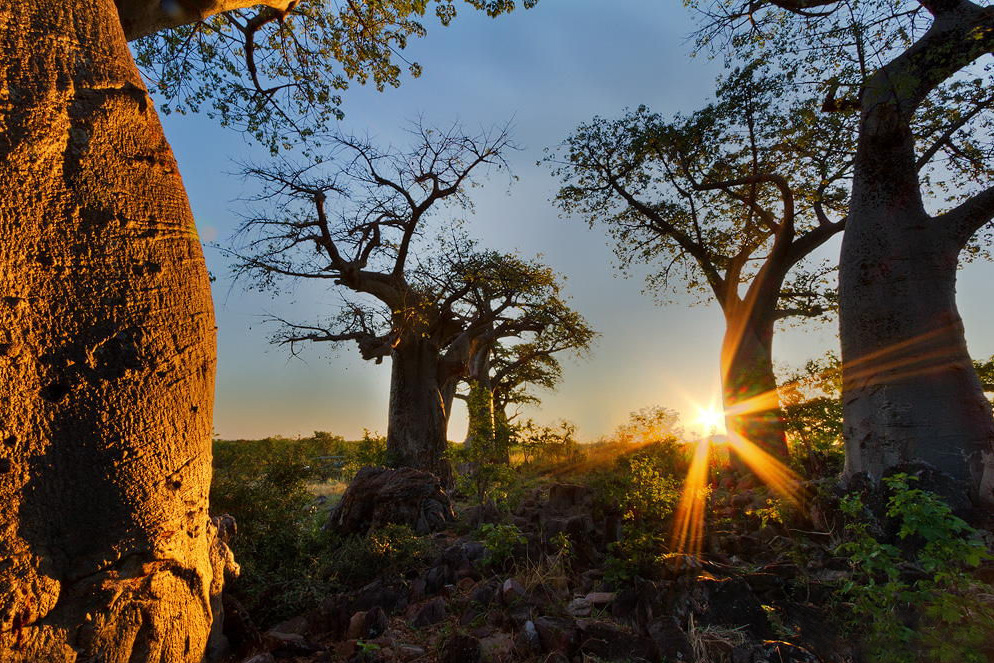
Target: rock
{"points": [[670, 640], [379, 496], [556, 633], [497, 648], [369, 624], [418, 591], [512, 591], [430, 613], [579, 607], [409, 652], [460, 649], [392, 598], [477, 515], [483, 593], [564, 496], [438, 577], [260, 658], [298, 625], [288, 643], [609, 641], [528, 640], [465, 584], [730, 602], [600, 598], [474, 550]]}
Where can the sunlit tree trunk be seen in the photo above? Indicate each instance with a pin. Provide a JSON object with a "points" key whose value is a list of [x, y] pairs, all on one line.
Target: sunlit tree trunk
{"points": [[107, 356], [749, 384], [416, 429], [910, 393]]}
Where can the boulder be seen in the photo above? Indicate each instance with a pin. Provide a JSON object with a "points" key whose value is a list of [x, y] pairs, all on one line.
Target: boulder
{"points": [[460, 649], [379, 496], [430, 613], [565, 496]]}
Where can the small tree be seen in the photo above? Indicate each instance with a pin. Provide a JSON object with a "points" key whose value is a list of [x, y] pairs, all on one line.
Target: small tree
{"points": [[730, 201]]}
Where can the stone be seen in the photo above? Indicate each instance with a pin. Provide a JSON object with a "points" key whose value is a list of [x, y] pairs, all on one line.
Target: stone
{"points": [[260, 658], [392, 598], [609, 641], [288, 643], [409, 652], [579, 607], [379, 496], [564, 496], [600, 598], [512, 591], [497, 648], [483, 593], [368, 624], [556, 633], [460, 649], [430, 613], [298, 625], [670, 640]]}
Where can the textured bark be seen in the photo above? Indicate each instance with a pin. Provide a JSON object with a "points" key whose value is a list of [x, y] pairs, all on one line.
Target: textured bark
{"points": [[910, 393], [749, 384], [417, 421], [141, 18], [107, 356]]}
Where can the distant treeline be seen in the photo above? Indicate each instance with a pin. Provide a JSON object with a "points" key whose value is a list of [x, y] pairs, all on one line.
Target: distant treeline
{"points": [[320, 456]]}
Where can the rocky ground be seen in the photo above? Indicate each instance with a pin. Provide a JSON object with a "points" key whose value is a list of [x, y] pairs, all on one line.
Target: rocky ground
{"points": [[743, 601]]}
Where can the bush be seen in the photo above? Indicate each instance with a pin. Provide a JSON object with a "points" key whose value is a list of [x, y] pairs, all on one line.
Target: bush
{"points": [[921, 603], [500, 542], [357, 560], [277, 543]]}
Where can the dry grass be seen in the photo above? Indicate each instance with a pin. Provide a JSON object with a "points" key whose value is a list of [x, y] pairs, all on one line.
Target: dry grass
{"points": [[713, 644]]}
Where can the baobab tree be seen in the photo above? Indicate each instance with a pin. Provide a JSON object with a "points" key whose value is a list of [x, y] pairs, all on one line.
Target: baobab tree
{"points": [[357, 221], [107, 361], [504, 367], [910, 393], [731, 200]]}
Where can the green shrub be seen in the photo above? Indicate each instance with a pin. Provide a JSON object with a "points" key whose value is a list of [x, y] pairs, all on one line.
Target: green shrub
{"points": [[922, 603], [357, 560], [500, 542], [277, 543], [640, 554]]}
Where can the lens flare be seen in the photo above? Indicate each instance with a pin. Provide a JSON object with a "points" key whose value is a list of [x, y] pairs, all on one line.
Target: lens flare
{"points": [[710, 419], [688, 530]]}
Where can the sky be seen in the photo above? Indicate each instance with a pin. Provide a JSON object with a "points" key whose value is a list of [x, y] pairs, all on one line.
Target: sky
{"points": [[546, 70]]}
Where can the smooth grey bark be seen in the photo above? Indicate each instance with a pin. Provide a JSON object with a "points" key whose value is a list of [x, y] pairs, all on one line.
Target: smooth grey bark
{"points": [[107, 357], [417, 420], [910, 393]]}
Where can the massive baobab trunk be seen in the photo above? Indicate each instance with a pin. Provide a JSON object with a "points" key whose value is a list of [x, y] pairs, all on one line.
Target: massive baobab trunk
{"points": [[107, 356], [749, 385], [417, 419], [910, 393]]}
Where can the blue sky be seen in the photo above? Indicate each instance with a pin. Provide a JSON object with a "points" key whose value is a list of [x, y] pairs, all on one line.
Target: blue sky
{"points": [[547, 70]]}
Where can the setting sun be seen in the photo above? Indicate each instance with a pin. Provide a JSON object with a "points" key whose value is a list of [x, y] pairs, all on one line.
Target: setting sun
{"points": [[710, 419]]}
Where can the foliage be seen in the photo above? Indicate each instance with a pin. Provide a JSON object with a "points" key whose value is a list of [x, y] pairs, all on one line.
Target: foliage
{"points": [[500, 542], [277, 541], [547, 443], [811, 400], [639, 554], [279, 77], [985, 371], [917, 601], [357, 560], [650, 424], [755, 181]]}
